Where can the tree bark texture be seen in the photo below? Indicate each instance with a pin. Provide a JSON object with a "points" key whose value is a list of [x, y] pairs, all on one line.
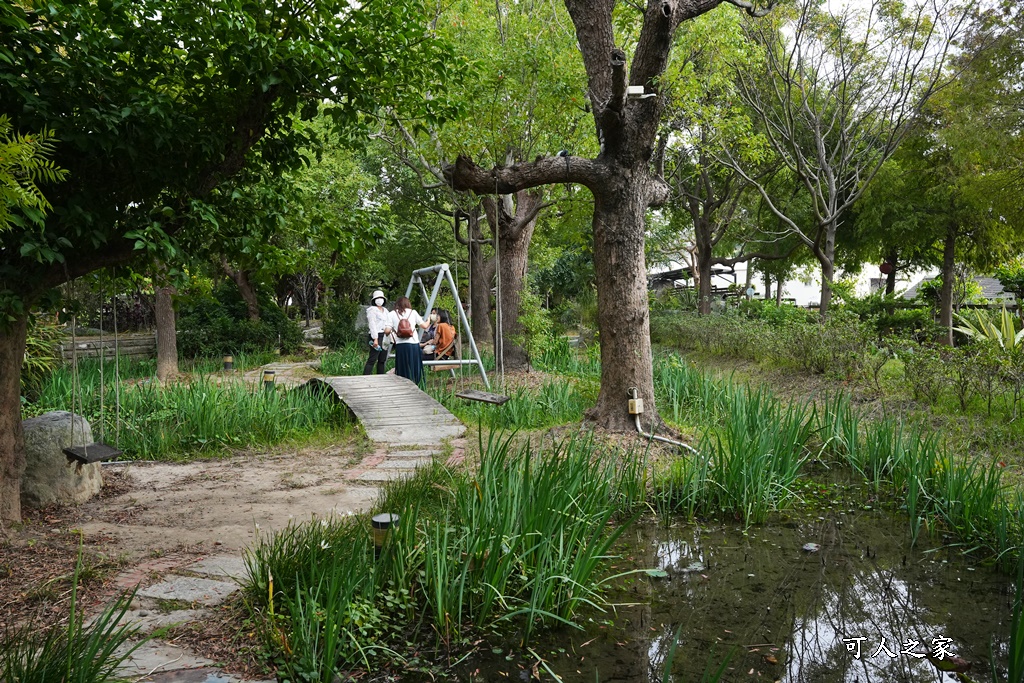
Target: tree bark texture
{"points": [[12, 440], [166, 330], [514, 223], [481, 273], [704, 262], [946, 292], [827, 258]]}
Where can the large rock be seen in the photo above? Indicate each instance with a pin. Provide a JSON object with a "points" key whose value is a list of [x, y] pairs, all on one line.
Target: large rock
{"points": [[49, 477]]}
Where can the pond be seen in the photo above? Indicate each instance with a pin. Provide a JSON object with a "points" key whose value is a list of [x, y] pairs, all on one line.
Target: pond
{"points": [[834, 598]]}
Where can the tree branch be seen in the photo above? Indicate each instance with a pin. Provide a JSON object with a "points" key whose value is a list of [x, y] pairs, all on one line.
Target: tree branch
{"points": [[464, 175]]}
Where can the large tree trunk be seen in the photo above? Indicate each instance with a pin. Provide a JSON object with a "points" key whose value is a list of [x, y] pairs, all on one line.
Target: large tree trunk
{"points": [[767, 286], [12, 441], [622, 308], [704, 261], [946, 292], [778, 290], [514, 223], [166, 329]]}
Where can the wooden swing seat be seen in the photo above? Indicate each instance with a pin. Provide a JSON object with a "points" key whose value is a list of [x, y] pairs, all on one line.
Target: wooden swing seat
{"points": [[94, 452], [484, 396]]}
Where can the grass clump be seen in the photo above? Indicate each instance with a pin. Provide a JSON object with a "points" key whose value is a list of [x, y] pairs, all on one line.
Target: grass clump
{"points": [[76, 652], [519, 544], [206, 415]]}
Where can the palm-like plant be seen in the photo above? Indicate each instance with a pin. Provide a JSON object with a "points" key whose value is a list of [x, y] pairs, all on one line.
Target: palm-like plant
{"points": [[983, 329]]}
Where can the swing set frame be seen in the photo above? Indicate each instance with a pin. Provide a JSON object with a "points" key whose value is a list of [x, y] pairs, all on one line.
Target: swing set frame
{"points": [[444, 274]]}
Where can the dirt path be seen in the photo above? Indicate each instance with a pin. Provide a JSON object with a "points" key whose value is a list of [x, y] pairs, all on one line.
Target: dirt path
{"points": [[163, 507]]}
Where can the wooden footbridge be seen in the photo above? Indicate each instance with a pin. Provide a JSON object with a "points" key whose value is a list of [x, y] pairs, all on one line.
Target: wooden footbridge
{"points": [[408, 426]]}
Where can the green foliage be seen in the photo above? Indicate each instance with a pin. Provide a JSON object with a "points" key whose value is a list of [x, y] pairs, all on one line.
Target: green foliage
{"points": [[217, 324], [1011, 277], [73, 652], [776, 315], [980, 327], [157, 102], [42, 356], [962, 495], [339, 324], [522, 539], [204, 416], [536, 322], [24, 165]]}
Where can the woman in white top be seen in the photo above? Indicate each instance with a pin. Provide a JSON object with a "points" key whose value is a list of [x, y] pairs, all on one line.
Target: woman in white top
{"points": [[377, 319], [408, 362]]}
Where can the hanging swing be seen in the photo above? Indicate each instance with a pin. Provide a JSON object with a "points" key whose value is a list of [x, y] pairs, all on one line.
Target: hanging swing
{"points": [[96, 451]]}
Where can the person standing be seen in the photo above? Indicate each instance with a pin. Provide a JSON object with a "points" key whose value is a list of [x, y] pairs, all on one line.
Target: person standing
{"points": [[377, 319], [404, 321]]}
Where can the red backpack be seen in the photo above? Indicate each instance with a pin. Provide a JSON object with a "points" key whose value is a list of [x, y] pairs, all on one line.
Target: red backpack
{"points": [[404, 328]]}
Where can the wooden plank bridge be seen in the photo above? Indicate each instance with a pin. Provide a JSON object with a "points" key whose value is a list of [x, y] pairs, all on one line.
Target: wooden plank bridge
{"points": [[408, 426]]}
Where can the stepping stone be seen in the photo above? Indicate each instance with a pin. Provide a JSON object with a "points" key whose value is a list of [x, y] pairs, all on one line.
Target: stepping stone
{"points": [[383, 475], [405, 463], [153, 656], [194, 676], [189, 589], [229, 566], [147, 620], [418, 454]]}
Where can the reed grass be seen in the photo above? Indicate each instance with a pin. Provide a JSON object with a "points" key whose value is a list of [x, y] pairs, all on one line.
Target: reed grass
{"points": [[205, 416], [521, 541], [753, 447]]}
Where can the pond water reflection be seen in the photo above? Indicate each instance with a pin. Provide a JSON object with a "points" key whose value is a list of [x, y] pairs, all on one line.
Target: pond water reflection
{"points": [[860, 607]]}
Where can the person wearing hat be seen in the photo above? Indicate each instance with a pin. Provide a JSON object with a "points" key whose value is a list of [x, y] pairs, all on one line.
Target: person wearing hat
{"points": [[377, 319]]}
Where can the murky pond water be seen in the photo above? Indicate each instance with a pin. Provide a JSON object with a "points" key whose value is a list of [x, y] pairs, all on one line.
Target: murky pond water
{"points": [[856, 606]]}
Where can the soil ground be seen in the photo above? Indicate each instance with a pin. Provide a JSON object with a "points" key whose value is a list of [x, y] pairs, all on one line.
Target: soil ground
{"points": [[153, 510]]}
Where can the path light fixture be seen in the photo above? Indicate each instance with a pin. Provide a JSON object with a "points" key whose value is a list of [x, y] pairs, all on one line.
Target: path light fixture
{"points": [[382, 530], [229, 363], [268, 380]]}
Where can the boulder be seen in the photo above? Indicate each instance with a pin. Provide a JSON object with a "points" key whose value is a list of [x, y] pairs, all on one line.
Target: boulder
{"points": [[49, 477]]}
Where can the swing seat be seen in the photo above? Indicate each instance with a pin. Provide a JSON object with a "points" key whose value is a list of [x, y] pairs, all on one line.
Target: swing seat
{"points": [[483, 396], [94, 452]]}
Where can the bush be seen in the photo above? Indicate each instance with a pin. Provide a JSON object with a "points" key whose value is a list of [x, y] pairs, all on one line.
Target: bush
{"points": [[218, 323], [339, 326]]}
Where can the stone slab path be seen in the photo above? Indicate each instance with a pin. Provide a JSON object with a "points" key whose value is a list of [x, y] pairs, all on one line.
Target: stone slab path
{"points": [[409, 429]]}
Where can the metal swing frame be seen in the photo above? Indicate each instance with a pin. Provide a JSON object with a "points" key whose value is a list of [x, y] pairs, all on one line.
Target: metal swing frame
{"points": [[444, 274]]}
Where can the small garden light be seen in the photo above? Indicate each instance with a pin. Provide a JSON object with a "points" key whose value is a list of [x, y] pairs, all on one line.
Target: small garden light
{"points": [[268, 379], [382, 529], [229, 363]]}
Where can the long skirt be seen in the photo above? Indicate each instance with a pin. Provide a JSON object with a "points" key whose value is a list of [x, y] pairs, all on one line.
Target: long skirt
{"points": [[409, 362]]}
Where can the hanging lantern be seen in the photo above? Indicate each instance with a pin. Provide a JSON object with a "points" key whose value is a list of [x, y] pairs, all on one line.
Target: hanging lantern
{"points": [[886, 268]]}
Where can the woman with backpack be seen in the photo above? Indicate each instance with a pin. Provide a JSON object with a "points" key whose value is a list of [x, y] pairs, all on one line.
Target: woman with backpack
{"points": [[404, 321]]}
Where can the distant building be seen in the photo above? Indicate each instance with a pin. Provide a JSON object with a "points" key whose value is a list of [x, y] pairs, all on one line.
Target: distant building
{"points": [[991, 290]]}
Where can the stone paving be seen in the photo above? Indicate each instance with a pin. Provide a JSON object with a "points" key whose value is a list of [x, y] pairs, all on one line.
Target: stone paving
{"points": [[177, 590]]}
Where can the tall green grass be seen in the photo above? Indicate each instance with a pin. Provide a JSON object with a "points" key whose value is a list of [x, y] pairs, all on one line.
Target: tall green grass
{"points": [[553, 403], [522, 541], [206, 415], [747, 464], [754, 445]]}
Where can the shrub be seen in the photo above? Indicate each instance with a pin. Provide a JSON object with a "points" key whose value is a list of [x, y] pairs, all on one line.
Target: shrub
{"points": [[218, 323], [339, 325], [922, 369]]}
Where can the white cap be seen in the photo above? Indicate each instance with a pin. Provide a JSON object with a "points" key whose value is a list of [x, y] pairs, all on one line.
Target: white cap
{"points": [[377, 294]]}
